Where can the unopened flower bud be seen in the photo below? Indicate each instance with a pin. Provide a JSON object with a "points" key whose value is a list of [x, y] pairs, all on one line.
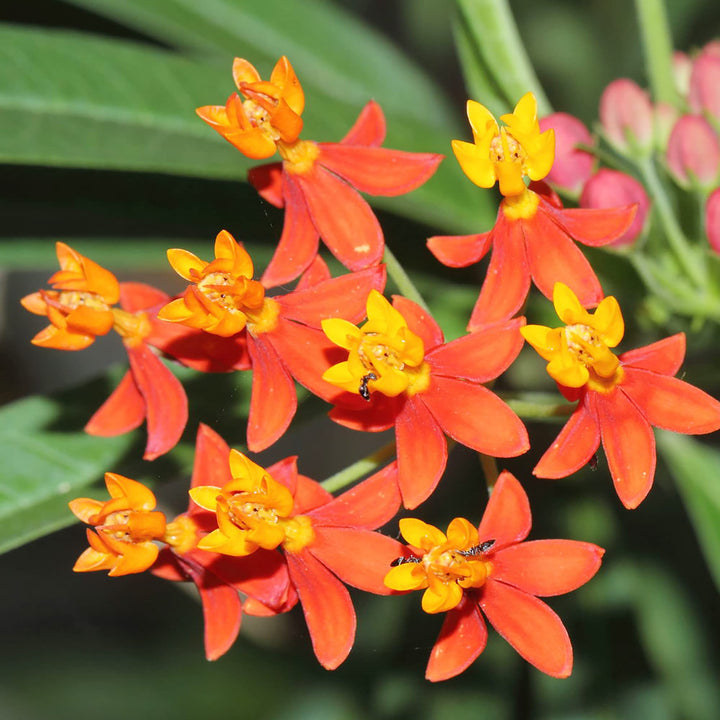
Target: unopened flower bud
{"points": [[612, 188], [572, 167], [704, 94], [693, 152], [712, 220], [626, 115]]}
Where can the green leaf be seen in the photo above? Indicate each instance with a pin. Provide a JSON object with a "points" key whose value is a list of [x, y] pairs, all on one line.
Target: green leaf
{"points": [[694, 467], [77, 101], [498, 52], [44, 468]]}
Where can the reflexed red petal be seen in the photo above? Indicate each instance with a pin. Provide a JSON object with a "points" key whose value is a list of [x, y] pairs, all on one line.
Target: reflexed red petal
{"points": [[285, 472], [167, 567], [211, 465], [136, 297], [369, 128], [165, 400], [476, 417], [671, 404], [344, 220], [419, 321], [317, 272], [369, 504], [462, 638], [629, 446], [376, 415], [664, 356], [574, 446], [329, 612], [507, 516], [307, 353], [122, 412], [222, 612], [594, 227], [309, 495], [268, 181], [421, 452], [298, 243], [508, 277], [482, 355], [530, 626], [378, 171], [360, 558], [547, 567], [273, 400], [460, 250], [344, 297], [553, 257]]}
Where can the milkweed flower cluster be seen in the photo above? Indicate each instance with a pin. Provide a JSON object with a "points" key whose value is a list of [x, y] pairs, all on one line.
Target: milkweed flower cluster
{"points": [[260, 540]]}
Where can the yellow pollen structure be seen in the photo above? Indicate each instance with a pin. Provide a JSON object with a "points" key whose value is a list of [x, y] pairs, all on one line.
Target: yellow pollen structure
{"points": [[299, 156], [579, 354], [449, 565], [72, 299], [132, 327], [259, 117], [181, 534], [133, 527], [384, 355]]}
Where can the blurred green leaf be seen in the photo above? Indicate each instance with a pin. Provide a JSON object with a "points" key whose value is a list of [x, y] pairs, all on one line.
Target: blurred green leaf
{"points": [[695, 468], [77, 101], [43, 469]]}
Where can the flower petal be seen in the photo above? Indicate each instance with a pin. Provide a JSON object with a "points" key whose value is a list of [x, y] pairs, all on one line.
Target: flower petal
{"points": [[298, 243], [593, 227], [553, 257], [376, 170], [507, 516], [421, 452], [507, 281], [419, 321], [329, 612], [268, 181], [629, 446], [671, 404], [273, 401], [370, 504], [136, 297], [460, 250], [165, 400], [361, 558], [530, 626], [211, 465], [664, 356], [369, 128], [462, 638], [122, 412], [344, 220], [574, 446], [480, 356], [475, 417], [547, 567]]}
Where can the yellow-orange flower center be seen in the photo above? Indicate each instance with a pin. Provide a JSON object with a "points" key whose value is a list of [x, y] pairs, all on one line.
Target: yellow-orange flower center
{"points": [[299, 156], [72, 299]]}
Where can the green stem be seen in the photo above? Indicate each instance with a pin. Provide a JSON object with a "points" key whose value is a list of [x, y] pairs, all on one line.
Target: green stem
{"points": [[497, 41], [676, 237], [658, 48], [538, 406], [404, 284], [362, 467]]}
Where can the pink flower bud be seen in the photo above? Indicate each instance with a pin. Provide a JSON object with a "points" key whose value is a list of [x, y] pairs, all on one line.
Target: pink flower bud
{"points": [[682, 69], [626, 116], [612, 188], [666, 116], [704, 95], [712, 220], [693, 152], [572, 167], [711, 48]]}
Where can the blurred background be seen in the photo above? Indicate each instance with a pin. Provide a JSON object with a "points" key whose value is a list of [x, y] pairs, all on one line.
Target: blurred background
{"points": [[644, 630]]}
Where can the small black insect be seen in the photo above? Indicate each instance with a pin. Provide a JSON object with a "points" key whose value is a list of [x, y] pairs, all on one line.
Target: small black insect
{"points": [[404, 559], [477, 549], [363, 389], [593, 462]]}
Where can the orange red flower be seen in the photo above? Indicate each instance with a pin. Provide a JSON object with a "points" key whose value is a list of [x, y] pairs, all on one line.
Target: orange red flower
{"points": [[260, 509], [469, 572], [281, 334], [80, 307], [620, 398], [316, 183], [399, 373]]}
